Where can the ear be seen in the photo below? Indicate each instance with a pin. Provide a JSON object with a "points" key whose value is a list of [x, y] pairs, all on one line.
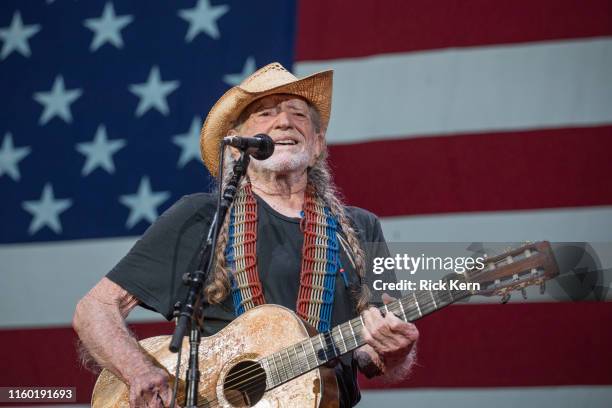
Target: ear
{"points": [[320, 147], [321, 143]]}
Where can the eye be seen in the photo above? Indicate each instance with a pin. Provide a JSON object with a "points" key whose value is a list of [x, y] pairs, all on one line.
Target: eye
{"points": [[265, 112]]}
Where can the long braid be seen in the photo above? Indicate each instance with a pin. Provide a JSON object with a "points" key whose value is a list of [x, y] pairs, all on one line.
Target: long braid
{"points": [[362, 295], [218, 284]]}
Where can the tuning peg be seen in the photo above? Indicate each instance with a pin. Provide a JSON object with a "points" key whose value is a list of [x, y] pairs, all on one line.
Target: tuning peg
{"points": [[542, 287], [505, 298], [524, 293]]}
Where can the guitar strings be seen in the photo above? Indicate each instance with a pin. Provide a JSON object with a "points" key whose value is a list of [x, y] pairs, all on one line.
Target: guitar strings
{"points": [[255, 381]]}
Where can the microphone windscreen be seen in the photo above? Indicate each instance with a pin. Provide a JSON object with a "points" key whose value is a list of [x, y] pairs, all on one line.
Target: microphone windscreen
{"points": [[266, 148]]}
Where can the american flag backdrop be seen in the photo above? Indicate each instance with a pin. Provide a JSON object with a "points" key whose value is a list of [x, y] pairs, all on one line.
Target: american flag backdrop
{"points": [[471, 120]]}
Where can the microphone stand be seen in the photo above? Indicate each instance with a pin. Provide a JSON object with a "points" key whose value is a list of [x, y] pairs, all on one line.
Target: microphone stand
{"points": [[189, 311]]}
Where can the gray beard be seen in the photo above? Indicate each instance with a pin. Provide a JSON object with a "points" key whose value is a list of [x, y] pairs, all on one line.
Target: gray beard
{"points": [[296, 163]]}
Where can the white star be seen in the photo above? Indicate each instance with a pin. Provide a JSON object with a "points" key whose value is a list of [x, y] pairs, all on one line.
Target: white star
{"points": [[46, 210], [11, 156], [235, 79], [143, 204], [107, 28], [57, 101], [203, 17], [16, 37], [153, 93], [52, 1], [99, 152], [189, 143]]}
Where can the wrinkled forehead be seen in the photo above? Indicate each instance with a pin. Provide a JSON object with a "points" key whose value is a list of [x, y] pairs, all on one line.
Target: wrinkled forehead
{"points": [[270, 101]]}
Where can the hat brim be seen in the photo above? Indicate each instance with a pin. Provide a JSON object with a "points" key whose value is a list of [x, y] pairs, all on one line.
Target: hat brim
{"points": [[315, 88]]}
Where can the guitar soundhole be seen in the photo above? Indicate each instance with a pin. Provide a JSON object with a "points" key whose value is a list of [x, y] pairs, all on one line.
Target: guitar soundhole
{"points": [[245, 384]]}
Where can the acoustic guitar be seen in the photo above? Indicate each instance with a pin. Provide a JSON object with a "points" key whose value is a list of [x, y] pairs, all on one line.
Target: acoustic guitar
{"points": [[269, 357]]}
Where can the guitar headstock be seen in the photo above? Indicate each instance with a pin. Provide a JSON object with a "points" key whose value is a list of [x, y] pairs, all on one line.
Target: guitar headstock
{"points": [[529, 265]]}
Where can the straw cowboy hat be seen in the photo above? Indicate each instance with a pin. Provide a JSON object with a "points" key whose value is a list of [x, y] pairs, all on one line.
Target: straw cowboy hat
{"points": [[271, 79]]}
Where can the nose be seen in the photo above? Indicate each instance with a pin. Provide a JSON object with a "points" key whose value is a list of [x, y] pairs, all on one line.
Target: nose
{"points": [[283, 120]]}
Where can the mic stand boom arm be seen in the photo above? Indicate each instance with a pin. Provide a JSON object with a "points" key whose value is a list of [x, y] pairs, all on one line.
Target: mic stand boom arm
{"points": [[187, 310]]}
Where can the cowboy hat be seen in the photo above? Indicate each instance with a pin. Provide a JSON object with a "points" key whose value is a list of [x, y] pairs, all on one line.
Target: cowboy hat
{"points": [[269, 80]]}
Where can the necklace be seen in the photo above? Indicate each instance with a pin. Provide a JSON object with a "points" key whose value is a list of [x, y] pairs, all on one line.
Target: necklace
{"points": [[319, 265]]}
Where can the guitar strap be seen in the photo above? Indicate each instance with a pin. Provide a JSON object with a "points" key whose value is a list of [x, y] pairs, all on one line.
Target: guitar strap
{"points": [[320, 258]]}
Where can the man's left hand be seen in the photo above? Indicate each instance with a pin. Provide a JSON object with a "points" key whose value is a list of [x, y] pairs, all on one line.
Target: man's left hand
{"points": [[389, 336]]}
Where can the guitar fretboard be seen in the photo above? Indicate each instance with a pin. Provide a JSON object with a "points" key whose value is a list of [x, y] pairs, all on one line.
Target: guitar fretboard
{"points": [[315, 351]]}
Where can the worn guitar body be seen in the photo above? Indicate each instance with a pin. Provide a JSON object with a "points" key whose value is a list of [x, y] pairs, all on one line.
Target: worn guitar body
{"points": [[255, 334]]}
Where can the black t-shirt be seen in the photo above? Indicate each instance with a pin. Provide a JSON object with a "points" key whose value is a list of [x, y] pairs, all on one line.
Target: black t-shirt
{"points": [[153, 269]]}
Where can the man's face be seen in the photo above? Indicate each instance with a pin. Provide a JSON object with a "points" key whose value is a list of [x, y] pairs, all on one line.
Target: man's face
{"points": [[287, 120]]}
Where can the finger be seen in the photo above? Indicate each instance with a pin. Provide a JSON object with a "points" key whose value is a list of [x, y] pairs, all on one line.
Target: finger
{"points": [[367, 318], [382, 320], [392, 331], [136, 399], [387, 299], [413, 333], [166, 395], [159, 401], [154, 401], [153, 396], [377, 329], [395, 323], [378, 314], [406, 332], [372, 319]]}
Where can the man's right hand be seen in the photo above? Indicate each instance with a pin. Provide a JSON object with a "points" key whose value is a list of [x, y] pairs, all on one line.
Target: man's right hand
{"points": [[151, 389], [99, 320]]}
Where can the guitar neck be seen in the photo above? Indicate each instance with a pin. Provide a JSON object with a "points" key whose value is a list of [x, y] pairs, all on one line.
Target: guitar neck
{"points": [[316, 351]]}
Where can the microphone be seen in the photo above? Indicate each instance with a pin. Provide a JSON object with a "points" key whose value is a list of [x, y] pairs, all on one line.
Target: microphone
{"points": [[260, 146]]}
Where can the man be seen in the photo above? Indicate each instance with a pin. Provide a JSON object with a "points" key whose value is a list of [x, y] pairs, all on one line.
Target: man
{"points": [[286, 214]]}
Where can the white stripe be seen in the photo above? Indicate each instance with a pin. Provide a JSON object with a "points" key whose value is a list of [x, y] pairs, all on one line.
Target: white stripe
{"points": [[589, 224], [42, 282], [592, 225], [558, 397], [550, 84]]}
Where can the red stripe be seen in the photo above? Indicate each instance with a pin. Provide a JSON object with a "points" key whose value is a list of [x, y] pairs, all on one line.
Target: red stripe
{"points": [[482, 172], [513, 345], [337, 29], [527, 344], [48, 357]]}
